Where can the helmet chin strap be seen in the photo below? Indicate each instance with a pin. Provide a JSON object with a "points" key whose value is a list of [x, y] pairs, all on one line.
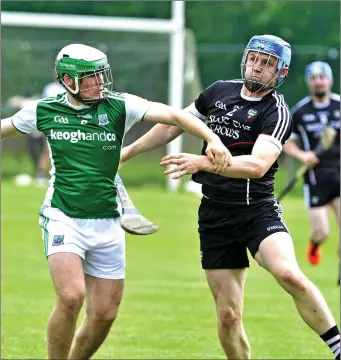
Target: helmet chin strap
{"points": [[257, 85], [92, 102], [73, 92]]}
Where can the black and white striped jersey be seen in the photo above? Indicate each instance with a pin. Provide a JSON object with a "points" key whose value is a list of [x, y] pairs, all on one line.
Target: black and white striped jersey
{"points": [[309, 121], [238, 121]]}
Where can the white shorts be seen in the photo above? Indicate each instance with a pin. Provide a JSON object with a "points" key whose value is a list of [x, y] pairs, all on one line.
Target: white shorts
{"points": [[99, 242]]}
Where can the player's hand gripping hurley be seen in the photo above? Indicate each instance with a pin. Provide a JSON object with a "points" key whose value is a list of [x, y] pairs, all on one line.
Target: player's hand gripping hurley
{"points": [[131, 220], [326, 141]]}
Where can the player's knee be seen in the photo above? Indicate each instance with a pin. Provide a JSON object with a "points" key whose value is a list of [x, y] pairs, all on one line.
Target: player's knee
{"points": [[319, 235], [104, 317], [292, 279], [72, 302], [229, 316]]}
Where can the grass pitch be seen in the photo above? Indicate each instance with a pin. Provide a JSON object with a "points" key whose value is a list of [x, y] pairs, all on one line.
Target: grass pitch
{"points": [[167, 311]]}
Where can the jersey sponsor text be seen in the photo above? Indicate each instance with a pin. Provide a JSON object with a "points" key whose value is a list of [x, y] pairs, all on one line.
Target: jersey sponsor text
{"points": [[78, 135]]}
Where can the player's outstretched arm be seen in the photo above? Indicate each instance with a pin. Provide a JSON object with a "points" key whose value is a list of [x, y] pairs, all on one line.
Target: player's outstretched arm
{"points": [[7, 128], [306, 157], [264, 154], [159, 135], [216, 151]]}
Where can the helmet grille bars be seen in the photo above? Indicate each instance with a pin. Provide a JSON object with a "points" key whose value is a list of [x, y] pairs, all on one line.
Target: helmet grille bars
{"points": [[257, 85], [104, 87]]}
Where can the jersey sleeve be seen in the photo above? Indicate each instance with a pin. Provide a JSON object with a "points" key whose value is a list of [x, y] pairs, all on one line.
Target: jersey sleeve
{"points": [[135, 107], [52, 89], [25, 120], [200, 106], [295, 121], [276, 125]]}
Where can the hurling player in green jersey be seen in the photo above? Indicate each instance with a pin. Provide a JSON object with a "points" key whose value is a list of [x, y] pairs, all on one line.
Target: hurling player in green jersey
{"points": [[83, 240]]}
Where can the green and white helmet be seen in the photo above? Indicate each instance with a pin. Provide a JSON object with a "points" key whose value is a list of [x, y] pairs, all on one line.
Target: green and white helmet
{"points": [[81, 61]]}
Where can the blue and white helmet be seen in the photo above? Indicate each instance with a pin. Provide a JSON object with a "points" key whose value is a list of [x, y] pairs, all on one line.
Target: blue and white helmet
{"points": [[317, 68], [272, 45]]}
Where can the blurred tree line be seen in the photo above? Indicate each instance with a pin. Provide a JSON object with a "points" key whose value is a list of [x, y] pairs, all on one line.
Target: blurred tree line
{"points": [[140, 61], [223, 28]]}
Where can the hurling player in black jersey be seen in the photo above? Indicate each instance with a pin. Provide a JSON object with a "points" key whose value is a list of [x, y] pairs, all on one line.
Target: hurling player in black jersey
{"points": [[322, 182], [238, 211]]}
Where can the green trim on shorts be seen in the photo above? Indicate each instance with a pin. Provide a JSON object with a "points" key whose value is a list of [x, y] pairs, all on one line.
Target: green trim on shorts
{"points": [[46, 234], [41, 210], [44, 227]]}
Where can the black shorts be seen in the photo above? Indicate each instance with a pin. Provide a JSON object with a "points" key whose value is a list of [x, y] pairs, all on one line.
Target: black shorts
{"points": [[326, 190], [227, 231]]}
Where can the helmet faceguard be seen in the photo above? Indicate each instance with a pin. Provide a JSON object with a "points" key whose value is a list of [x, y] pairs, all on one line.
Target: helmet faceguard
{"points": [[80, 62], [272, 46]]}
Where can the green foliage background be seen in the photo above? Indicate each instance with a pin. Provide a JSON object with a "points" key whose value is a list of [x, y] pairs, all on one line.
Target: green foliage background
{"points": [[221, 29], [312, 28]]}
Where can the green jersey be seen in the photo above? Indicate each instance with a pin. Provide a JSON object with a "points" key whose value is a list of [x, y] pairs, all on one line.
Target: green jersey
{"points": [[85, 145]]}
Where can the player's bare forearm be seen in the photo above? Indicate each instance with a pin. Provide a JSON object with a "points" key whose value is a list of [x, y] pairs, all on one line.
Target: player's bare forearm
{"points": [[241, 167], [255, 165], [264, 154], [292, 149], [194, 126], [7, 128], [164, 114], [159, 135]]}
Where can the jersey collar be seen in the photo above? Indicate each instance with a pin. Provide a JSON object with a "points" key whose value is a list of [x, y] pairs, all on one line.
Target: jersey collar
{"points": [[321, 105], [76, 107], [249, 98]]}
